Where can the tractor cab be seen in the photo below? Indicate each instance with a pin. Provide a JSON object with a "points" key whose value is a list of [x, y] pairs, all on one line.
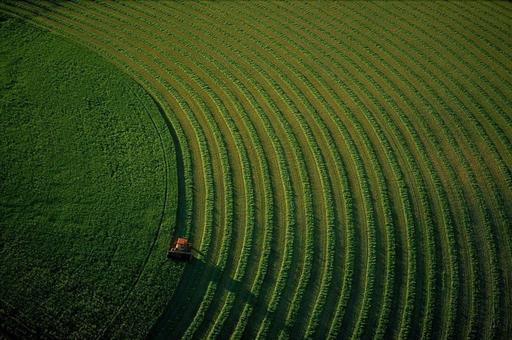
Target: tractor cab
{"points": [[180, 250]]}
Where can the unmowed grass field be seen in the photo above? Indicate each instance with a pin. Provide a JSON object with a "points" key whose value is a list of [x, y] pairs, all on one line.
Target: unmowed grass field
{"points": [[343, 169], [88, 192]]}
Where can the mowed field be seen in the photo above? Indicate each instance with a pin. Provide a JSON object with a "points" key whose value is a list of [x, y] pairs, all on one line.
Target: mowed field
{"points": [[346, 167]]}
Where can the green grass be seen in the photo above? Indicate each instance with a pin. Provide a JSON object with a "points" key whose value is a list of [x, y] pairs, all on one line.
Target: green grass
{"points": [[88, 192]]}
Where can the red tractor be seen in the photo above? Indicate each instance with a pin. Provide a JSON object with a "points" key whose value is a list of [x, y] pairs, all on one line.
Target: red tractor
{"points": [[181, 250]]}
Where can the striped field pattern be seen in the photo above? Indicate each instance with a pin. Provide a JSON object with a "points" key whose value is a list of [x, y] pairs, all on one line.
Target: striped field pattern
{"points": [[347, 165]]}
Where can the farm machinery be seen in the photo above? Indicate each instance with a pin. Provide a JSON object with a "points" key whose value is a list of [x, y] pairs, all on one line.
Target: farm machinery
{"points": [[181, 249]]}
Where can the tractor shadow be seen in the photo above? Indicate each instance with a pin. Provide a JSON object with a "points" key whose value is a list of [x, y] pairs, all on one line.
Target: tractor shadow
{"points": [[197, 251], [224, 281], [198, 273]]}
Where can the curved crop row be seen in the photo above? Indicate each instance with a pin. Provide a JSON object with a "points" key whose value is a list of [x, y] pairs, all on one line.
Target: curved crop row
{"points": [[467, 165], [476, 106], [322, 126], [420, 187], [422, 195]]}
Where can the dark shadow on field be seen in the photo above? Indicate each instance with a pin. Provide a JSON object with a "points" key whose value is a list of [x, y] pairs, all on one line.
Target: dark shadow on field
{"points": [[180, 209], [28, 13], [197, 251], [12, 326], [175, 318], [227, 282]]}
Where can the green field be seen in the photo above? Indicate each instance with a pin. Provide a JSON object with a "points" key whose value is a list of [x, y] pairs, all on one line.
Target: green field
{"points": [[88, 191], [343, 169]]}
